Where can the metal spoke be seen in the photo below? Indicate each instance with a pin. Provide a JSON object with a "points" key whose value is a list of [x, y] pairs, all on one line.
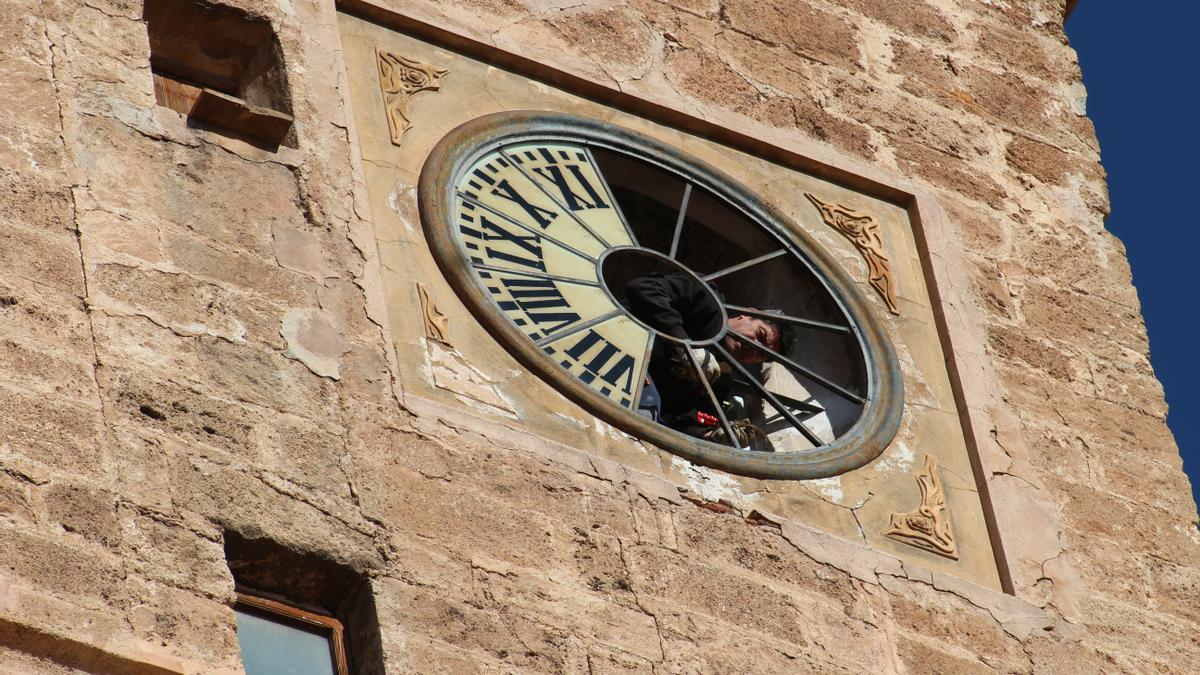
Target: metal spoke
{"points": [[749, 263], [637, 394], [540, 275], [687, 195], [611, 198], [562, 207], [770, 396], [713, 397], [796, 367], [528, 229], [583, 325], [819, 325]]}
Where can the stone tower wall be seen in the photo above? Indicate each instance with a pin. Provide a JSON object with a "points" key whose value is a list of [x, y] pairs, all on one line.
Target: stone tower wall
{"points": [[192, 345]]}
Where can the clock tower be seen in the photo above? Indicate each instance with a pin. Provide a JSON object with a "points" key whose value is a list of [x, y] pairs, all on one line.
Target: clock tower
{"points": [[366, 336]]}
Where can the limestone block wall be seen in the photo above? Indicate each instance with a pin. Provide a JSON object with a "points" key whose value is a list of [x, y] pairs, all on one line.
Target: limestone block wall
{"points": [[191, 346]]}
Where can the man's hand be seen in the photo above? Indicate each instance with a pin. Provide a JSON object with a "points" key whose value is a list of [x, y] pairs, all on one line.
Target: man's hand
{"points": [[709, 365]]}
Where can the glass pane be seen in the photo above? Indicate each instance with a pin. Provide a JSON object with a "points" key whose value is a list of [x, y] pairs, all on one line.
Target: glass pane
{"points": [[273, 648]]}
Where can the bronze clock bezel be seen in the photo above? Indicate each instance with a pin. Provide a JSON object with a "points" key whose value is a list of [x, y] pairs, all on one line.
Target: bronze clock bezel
{"points": [[459, 149]]}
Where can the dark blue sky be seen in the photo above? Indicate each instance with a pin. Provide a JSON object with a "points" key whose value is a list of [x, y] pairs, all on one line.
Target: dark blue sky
{"points": [[1140, 67]]}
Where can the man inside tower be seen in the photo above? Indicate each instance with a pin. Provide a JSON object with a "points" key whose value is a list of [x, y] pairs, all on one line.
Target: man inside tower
{"points": [[680, 306]]}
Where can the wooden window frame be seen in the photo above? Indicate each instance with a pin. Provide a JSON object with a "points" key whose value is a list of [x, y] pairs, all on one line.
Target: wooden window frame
{"points": [[292, 614]]}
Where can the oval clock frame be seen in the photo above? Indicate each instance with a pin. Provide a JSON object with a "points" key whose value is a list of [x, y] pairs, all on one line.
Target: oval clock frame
{"points": [[462, 151]]}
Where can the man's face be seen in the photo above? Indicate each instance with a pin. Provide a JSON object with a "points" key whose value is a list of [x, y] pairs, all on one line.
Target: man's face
{"points": [[760, 331]]}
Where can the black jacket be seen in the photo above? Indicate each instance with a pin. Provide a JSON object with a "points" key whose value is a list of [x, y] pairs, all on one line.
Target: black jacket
{"points": [[680, 306]]}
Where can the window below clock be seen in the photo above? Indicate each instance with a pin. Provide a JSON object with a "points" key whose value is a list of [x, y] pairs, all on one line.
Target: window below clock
{"points": [[300, 611], [276, 637]]}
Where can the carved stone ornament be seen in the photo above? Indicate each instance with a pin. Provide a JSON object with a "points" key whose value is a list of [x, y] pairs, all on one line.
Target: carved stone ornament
{"points": [[437, 326], [863, 231], [400, 78], [928, 527]]}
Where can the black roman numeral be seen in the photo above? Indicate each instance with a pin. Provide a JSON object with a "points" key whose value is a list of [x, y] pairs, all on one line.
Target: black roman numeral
{"points": [[542, 216], [575, 202], [538, 298], [621, 370]]}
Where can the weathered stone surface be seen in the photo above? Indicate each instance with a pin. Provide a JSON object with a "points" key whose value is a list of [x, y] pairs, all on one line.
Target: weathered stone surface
{"points": [[807, 30], [194, 341]]}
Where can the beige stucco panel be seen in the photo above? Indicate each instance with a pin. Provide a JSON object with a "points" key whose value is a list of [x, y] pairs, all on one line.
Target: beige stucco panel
{"points": [[474, 372]]}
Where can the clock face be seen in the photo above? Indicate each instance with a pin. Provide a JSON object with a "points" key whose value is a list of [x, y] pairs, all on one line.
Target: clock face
{"points": [[551, 228]]}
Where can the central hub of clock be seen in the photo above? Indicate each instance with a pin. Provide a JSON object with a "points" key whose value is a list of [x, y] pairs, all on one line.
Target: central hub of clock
{"points": [[621, 268]]}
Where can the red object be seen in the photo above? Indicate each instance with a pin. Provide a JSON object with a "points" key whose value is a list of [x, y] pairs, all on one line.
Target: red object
{"points": [[706, 419]]}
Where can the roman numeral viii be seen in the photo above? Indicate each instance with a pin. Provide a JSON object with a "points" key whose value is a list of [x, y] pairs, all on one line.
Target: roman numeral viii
{"points": [[620, 370], [542, 302]]}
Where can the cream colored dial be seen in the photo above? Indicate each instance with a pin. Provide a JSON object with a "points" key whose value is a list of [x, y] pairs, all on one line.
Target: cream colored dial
{"points": [[534, 219]]}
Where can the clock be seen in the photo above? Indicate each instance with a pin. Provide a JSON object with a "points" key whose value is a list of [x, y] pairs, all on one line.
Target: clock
{"points": [[541, 221]]}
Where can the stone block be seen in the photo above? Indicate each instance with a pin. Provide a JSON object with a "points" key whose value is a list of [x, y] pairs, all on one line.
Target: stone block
{"points": [[1060, 654], [426, 655], [58, 434], [187, 305], [752, 605], [16, 497], [907, 119], [34, 198], [920, 656], [941, 618], [808, 30], [33, 314], [204, 190], [602, 661], [919, 19], [950, 174], [505, 636], [165, 552], [463, 520], [262, 507], [614, 38], [1018, 345], [84, 510], [590, 617], [86, 574], [733, 543], [197, 628], [1091, 323], [344, 302], [696, 643], [1009, 100], [1046, 58], [306, 453], [1048, 163], [32, 367], [42, 254], [238, 270], [263, 377], [1141, 636], [1140, 529], [177, 412], [29, 108]]}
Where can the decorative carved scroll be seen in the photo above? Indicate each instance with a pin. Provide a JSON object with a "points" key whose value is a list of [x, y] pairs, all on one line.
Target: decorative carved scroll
{"points": [[928, 527], [437, 326], [400, 78], [863, 231]]}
